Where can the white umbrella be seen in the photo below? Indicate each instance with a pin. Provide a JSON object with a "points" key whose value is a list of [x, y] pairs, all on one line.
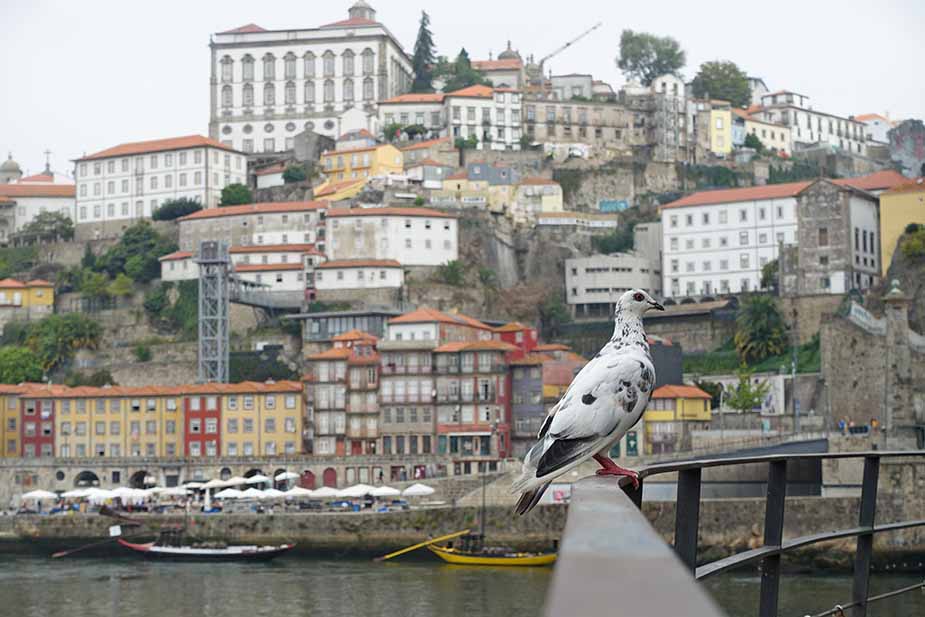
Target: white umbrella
{"points": [[258, 479], [235, 481], [150, 480], [76, 493], [176, 491], [418, 490], [228, 493], [194, 485], [255, 493], [357, 490], [385, 491], [40, 495], [123, 491], [214, 484], [272, 493], [298, 491], [286, 475], [97, 495], [325, 492]]}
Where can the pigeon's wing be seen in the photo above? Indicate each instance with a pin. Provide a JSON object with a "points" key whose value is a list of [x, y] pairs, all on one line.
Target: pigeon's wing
{"points": [[590, 410]]}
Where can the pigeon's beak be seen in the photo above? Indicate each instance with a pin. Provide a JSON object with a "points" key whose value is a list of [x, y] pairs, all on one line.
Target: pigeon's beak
{"points": [[657, 306]]}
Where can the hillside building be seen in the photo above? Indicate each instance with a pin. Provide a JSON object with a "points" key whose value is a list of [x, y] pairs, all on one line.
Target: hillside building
{"points": [[809, 126]]}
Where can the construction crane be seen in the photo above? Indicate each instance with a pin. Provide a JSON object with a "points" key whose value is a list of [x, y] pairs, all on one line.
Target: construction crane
{"points": [[543, 60]]}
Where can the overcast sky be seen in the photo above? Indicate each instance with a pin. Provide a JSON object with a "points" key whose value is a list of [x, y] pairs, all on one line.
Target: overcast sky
{"points": [[84, 75]]}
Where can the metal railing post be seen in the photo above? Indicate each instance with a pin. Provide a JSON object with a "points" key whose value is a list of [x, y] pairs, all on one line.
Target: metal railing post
{"points": [[635, 494], [865, 542], [687, 517], [773, 536]]}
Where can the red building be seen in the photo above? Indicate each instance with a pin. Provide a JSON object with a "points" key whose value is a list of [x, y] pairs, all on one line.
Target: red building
{"points": [[520, 336], [37, 426], [202, 416]]}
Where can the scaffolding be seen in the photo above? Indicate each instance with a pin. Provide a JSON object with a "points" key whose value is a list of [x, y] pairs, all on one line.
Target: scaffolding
{"points": [[214, 298]]}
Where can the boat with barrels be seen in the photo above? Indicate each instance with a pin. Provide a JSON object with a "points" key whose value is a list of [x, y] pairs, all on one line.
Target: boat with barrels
{"points": [[207, 552]]}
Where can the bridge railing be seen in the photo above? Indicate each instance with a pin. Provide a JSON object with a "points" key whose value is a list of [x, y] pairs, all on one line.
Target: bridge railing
{"points": [[609, 552]]}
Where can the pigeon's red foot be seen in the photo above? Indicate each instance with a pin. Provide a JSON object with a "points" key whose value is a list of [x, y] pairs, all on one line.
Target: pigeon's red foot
{"points": [[609, 468]]}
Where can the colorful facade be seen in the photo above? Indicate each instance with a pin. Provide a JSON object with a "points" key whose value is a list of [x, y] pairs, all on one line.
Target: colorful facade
{"points": [[362, 163], [672, 413], [899, 207]]}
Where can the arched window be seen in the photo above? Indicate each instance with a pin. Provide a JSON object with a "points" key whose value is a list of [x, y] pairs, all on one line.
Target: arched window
{"points": [[269, 67], [368, 89], [289, 65], [348, 90], [368, 61], [309, 62], [329, 91], [309, 92], [227, 68], [290, 93], [269, 95], [248, 95], [347, 59], [328, 58], [227, 100], [247, 68]]}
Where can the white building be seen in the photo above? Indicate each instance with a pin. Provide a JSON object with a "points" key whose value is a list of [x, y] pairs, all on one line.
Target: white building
{"points": [[491, 115], [423, 109], [410, 236], [22, 201], [809, 126], [295, 222], [581, 220], [279, 277], [878, 127], [358, 274], [272, 175], [129, 181], [180, 266], [594, 284], [267, 86]]}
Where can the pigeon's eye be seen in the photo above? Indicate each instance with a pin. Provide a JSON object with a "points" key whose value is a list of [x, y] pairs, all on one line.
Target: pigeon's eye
{"points": [[638, 297]]}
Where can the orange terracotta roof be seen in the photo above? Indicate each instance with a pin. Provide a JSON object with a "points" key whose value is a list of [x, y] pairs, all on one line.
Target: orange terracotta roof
{"points": [[680, 392], [861, 118], [458, 346], [459, 175], [335, 353], [552, 347], [741, 113], [388, 211], [427, 315], [879, 180], [37, 190], [532, 359], [337, 187], [357, 134], [514, 326], [477, 91], [354, 150], [267, 267], [751, 193], [273, 248], [359, 263], [506, 64], [40, 178], [158, 145], [11, 284], [38, 390], [354, 335], [539, 181], [352, 23], [428, 163], [39, 283], [423, 97], [276, 168], [425, 144], [912, 186], [176, 256], [244, 29], [253, 209]]}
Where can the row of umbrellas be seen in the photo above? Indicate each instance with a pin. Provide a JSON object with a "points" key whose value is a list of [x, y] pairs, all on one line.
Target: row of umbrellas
{"points": [[326, 492], [239, 481]]}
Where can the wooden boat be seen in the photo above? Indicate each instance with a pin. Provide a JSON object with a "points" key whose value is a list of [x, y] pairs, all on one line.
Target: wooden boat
{"points": [[491, 558], [154, 550]]}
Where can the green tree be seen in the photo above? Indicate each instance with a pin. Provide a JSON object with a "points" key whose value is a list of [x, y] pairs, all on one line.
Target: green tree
{"points": [[723, 80], [714, 389], [137, 254], [619, 241], [96, 379], [451, 273], [747, 395], [55, 338], [419, 201], [770, 275], [488, 277], [760, 329], [646, 56], [553, 315], [462, 75], [18, 365], [423, 59], [48, 225], [156, 300], [175, 208], [469, 143], [121, 286], [752, 141], [913, 245], [294, 173], [236, 195], [94, 285], [392, 131], [142, 352], [88, 261]]}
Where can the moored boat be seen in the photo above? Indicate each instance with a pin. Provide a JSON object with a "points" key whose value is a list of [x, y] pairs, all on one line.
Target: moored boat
{"points": [[154, 550], [491, 558]]}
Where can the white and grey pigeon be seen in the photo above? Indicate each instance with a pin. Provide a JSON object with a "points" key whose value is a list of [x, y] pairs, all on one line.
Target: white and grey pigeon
{"points": [[605, 400]]}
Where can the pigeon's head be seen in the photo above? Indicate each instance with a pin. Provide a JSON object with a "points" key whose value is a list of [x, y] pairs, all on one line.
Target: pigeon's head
{"points": [[637, 302]]}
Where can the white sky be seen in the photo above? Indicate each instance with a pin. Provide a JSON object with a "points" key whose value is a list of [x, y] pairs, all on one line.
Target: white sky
{"points": [[83, 75]]}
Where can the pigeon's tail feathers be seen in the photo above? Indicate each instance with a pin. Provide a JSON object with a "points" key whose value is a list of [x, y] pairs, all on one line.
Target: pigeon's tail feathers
{"points": [[530, 498]]}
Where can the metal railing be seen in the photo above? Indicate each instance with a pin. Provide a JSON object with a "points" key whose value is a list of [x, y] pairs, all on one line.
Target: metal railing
{"points": [[687, 519]]}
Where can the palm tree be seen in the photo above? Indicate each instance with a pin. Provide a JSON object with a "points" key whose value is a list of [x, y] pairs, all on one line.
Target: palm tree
{"points": [[760, 330]]}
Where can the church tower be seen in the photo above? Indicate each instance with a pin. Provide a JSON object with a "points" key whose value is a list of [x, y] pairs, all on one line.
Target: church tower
{"points": [[361, 10]]}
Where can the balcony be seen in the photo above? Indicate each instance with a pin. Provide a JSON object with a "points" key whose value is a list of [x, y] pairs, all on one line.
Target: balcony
{"points": [[363, 433]]}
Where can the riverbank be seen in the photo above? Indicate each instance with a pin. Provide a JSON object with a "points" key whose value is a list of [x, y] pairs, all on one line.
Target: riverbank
{"points": [[727, 526]]}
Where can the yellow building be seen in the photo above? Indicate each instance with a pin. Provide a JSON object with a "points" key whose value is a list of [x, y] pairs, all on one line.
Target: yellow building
{"points": [[721, 128], [36, 295], [261, 419], [899, 207], [775, 137], [337, 191], [672, 413], [342, 165], [9, 416], [535, 196]]}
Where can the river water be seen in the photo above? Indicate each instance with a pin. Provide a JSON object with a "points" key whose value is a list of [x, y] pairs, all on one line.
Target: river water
{"points": [[33, 586]]}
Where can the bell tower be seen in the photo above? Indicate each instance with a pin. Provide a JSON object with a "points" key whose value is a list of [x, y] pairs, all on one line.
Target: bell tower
{"points": [[361, 10]]}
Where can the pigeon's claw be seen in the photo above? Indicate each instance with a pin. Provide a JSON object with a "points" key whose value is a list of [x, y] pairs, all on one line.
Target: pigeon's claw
{"points": [[618, 471]]}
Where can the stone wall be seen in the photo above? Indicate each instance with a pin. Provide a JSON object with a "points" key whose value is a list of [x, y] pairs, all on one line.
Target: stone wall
{"points": [[695, 333], [360, 299], [527, 162], [113, 230], [297, 191], [812, 311]]}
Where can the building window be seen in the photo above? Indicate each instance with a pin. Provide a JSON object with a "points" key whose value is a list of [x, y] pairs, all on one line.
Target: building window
{"points": [[823, 236], [247, 95], [348, 90], [308, 62], [269, 67], [290, 93], [347, 60], [269, 95], [329, 91], [227, 100], [328, 61]]}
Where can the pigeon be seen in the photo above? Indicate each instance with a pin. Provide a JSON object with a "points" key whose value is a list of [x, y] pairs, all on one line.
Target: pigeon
{"points": [[605, 400]]}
